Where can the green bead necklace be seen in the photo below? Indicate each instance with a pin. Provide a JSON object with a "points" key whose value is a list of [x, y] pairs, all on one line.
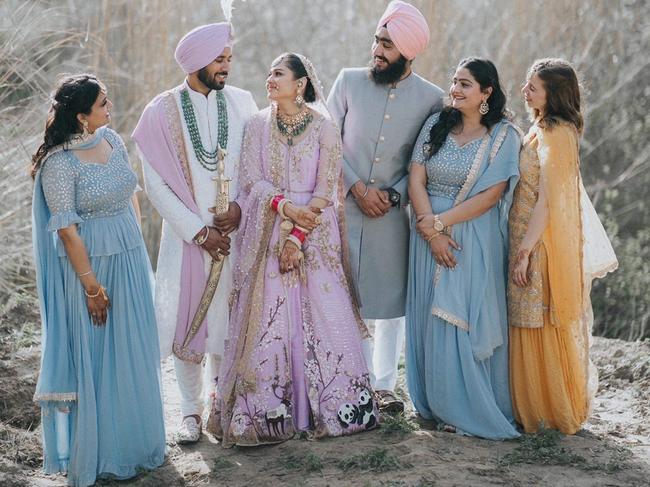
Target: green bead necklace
{"points": [[208, 159]]}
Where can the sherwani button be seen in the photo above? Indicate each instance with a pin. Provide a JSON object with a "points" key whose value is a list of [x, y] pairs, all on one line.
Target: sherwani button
{"points": [[391, 96], [382, 138], [372, 181], [376, 159], [387, 117]]}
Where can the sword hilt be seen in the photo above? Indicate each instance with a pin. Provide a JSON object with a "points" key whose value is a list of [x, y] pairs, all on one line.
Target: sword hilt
{"points": [[223, 184]]}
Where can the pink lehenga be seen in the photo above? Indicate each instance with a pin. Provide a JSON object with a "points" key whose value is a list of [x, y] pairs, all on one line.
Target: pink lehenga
{"points": [[293, 359]]}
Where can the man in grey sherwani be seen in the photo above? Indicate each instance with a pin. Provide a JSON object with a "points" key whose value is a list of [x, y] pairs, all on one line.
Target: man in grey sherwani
{"points": [[380, 110]]}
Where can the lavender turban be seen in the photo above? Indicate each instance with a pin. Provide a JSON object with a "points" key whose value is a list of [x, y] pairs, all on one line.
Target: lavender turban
{"points": [[202, 45], [407, 28]]}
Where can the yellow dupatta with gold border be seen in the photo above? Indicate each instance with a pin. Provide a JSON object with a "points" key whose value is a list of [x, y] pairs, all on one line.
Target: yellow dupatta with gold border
{"points": [[563, 236]]}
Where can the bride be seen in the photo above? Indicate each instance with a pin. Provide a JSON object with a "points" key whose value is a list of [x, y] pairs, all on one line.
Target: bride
{"points": [[293, 361]]}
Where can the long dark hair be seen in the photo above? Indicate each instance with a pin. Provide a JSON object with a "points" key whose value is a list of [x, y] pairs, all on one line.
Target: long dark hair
{"points": [[298, 69], [562, 93], [485, 73], [72, 95]]}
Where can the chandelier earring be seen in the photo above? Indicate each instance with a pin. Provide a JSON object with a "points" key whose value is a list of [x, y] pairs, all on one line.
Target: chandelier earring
{"points": [[483, 108], [300, 101]]}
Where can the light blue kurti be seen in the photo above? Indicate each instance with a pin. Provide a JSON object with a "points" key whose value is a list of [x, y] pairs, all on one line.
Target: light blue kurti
{"points": [[456, 320], [109, 376]]}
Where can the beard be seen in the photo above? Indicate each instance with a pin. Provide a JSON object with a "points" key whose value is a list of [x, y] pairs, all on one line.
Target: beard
{"points": [[391, 73], [209, 81]]}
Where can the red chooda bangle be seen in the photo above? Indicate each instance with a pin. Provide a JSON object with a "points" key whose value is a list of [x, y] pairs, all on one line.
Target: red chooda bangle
{"points": [[275, 202], [299, 234]]}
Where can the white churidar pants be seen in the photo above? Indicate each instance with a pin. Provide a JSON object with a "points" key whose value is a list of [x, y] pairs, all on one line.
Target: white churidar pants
{"points": [[191, 379], [383, 350]]}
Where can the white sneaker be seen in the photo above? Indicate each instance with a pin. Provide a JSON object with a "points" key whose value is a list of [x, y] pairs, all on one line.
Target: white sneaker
{"points": [[190, 430]]}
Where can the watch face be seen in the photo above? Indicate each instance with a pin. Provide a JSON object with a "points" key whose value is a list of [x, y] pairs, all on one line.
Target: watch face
{"points": [[394, 197], [438, 226]]}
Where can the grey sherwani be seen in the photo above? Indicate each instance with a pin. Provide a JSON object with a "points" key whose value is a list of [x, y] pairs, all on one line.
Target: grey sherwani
{"points": [[379, 125]]}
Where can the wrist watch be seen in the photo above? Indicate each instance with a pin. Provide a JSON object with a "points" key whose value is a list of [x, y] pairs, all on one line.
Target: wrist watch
{"points": [[438, 226], [393, 196]]}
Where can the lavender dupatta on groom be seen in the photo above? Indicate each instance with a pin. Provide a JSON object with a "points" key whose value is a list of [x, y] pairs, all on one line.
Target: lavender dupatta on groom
{"points": [[159, 137]]}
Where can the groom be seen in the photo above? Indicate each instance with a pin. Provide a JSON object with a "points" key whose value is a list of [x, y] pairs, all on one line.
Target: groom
{"points": [[380, 111], [179, 138]]}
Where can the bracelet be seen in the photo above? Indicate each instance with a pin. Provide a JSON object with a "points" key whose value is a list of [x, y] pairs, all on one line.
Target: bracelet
{"points": [[275, 202], [363, 196], [281, 206], [299, 234], [201, 240], [433, 235], [85, 273], [295, 240], [101, 291]]}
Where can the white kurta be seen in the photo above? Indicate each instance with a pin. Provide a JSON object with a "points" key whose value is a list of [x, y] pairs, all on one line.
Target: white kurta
{"points": [[179, 223]]}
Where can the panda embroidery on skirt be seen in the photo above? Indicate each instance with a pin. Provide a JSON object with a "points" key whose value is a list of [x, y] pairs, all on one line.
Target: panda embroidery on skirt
{"points": [[362, 414]]}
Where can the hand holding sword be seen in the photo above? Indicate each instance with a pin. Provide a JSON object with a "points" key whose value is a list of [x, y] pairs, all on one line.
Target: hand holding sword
{"points": [[221, 207]]}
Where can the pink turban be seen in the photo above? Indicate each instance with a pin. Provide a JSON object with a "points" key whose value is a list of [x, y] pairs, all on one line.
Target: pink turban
{"points": [[407, 28], [202, 45]]}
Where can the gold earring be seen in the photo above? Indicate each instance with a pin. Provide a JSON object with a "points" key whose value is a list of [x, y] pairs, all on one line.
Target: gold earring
{"points": [[85, 128], [300, 101], [484, 108]]}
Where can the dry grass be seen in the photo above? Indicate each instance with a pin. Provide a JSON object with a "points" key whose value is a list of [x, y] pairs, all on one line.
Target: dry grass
{"points": [[130, 45]]}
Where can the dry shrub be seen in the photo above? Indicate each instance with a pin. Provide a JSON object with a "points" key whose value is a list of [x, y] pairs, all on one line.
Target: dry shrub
{"points": [[130, 46]]}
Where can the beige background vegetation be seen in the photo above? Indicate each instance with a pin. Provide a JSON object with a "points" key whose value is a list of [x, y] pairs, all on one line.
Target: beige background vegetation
{"points": [[130, 44]]}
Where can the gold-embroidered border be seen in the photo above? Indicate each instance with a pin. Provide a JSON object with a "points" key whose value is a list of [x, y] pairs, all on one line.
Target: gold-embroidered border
{"points": [[55, 396], [450, 318]]}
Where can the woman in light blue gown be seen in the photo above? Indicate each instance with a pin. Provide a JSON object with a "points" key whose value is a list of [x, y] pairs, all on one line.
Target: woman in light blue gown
{"points": [[99, 384], [464, 169]]}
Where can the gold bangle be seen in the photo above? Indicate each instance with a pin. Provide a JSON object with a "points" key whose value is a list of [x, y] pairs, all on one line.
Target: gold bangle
{"points": [[433, 235], [200, 240], [85, 273], [99, 291]]}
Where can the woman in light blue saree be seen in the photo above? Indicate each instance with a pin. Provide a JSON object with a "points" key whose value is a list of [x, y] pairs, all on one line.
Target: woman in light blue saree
{"points": [[99, 384], [463, 172]]}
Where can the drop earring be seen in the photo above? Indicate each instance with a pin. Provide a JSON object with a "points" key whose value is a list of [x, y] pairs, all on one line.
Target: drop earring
{"points": [[483, 108], [300, 101], [85, 132]]}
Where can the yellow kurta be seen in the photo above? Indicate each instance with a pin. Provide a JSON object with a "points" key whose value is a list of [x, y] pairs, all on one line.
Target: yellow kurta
{"points": [[549, 363]]}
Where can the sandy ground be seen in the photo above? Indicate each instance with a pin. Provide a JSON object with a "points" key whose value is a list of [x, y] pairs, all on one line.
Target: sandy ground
{"points": [[613, 448]]}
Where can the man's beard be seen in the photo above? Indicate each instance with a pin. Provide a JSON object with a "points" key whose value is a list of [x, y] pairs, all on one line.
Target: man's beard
{"points": [[204, 77], [391, 74]]}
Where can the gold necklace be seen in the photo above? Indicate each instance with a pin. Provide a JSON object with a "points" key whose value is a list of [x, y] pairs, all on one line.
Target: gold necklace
{"points": [[294, 125]]}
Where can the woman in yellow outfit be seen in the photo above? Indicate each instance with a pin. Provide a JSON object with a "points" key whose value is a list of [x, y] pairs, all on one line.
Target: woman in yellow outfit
{"points": [[557, 246]]}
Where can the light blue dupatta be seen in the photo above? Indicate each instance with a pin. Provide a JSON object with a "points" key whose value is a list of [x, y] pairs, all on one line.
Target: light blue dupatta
{"points": [[472, 296]]}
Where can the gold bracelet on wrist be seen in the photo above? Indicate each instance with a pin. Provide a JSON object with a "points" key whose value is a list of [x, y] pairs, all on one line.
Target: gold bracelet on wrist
{"points": [[85, 273], [433, 235], [101, 291]]}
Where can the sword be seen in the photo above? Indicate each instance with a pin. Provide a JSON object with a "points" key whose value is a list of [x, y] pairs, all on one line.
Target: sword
{"points": [[221, 207]]}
